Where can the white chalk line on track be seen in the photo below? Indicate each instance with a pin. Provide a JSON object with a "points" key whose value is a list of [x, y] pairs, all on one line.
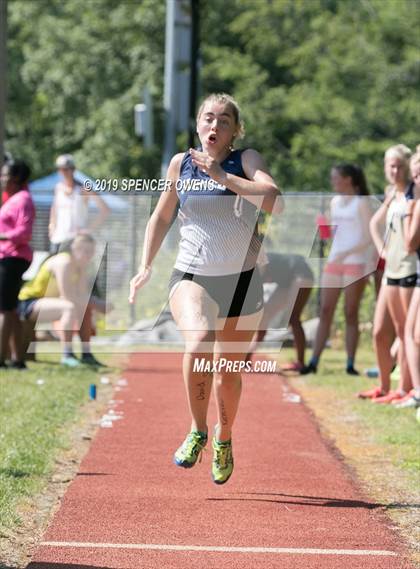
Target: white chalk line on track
{"points": [[216, 549]]}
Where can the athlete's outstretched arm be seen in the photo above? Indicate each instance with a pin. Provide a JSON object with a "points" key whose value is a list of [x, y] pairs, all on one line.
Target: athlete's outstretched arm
{"points": [[157, 227], [259, 184]]}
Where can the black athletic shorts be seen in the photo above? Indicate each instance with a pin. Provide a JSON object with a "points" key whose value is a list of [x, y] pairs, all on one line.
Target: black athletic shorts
{"points": [[11, 271], [238, 294], [406, 282]]}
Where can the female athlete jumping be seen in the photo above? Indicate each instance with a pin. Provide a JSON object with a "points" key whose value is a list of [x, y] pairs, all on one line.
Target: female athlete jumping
{"points": [[216, 295]]}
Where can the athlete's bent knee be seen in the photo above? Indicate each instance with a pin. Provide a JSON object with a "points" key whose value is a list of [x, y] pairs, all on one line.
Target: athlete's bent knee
{"points": [[199, 341]]}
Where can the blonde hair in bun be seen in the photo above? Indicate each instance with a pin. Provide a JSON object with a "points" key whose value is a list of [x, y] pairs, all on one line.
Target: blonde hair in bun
{"points": [[230, 102]]}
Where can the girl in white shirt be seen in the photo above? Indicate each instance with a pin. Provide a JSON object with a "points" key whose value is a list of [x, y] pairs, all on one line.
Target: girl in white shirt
{"points": [[346, 268]]}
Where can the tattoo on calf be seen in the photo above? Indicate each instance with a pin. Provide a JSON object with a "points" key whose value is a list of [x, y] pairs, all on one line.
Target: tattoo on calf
{"points": [[206, 375], [223, 413], [201, 391]]}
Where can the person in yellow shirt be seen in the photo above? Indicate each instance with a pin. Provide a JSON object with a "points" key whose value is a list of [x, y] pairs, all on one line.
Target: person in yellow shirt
{"points": [[61, 291]]}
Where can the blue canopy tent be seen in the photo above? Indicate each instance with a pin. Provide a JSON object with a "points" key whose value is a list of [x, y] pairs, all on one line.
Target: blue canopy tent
{"points": [[42, 191]]}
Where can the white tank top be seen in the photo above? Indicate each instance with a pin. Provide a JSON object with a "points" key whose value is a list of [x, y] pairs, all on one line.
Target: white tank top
{"points": [[219, 234], [347, 217], [71, 212], [399, 263]]}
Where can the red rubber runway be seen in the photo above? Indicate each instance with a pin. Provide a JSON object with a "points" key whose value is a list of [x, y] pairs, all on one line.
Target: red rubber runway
{"points": [[289, 504]]}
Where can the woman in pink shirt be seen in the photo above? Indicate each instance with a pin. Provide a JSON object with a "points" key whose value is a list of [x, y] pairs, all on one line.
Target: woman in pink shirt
{"points": [[16, 220]]}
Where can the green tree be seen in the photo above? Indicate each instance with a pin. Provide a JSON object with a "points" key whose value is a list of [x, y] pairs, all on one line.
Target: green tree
{"points": [[76, 69], [320, 81]]}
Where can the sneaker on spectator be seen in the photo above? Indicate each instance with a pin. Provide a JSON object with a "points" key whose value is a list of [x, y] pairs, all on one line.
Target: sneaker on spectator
{"points": [[412, 402], [391, 396], [90, 360], [407, 396], [309, 368], [70, 361], [14, 364], [371, 393]]}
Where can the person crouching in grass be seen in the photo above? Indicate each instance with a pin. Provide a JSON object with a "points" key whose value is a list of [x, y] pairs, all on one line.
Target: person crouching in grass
{"points": [[61, 291]]}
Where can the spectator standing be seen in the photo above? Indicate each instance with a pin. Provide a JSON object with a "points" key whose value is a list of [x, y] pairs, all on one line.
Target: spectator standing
{"points": [[400, 268], [412, 327], [69, 211], [17, 215], [346, 266]]}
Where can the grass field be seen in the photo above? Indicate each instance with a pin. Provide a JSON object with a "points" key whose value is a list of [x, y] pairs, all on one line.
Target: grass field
{"points": [[37, 409]]}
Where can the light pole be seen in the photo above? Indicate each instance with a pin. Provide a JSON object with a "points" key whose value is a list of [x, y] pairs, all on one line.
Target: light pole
{"points": [[194, 62], [177, 75], [143, 128]]}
